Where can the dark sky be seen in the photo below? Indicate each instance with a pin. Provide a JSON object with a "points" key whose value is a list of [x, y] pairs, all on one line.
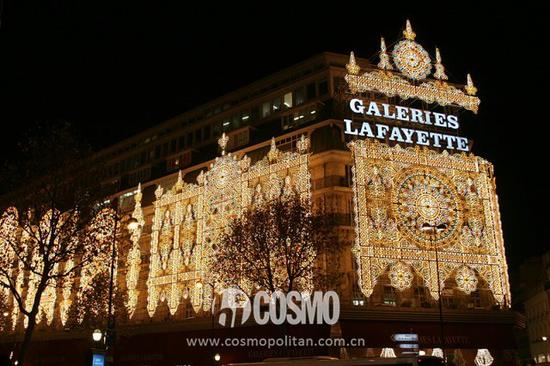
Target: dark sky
{"points": [[113, 68]]}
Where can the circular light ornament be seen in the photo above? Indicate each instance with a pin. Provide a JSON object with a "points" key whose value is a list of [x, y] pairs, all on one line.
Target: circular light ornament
{"points": [[424, 197], [412, 59]]}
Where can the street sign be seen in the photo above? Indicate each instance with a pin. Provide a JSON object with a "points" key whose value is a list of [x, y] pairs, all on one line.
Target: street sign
{"points": [[408, 345], [98, 359], [405, 337]]}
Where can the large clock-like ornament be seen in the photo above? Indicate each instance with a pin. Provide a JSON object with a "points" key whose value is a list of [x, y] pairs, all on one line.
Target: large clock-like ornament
{"points": [[412, 59], [428, 208]]}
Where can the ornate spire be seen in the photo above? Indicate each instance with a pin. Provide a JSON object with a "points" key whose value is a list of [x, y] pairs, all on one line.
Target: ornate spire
{"points": [[439, 73], [273, 153], [179, 183], [159, 191], [222, 141], [470, 88], [303, 144], [408, 32], [384, 63], [352, 66], [138, 195]]}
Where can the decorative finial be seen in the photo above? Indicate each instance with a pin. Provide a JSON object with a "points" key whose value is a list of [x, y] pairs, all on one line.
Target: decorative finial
{"points": [[439, 73], [408, 32], [201, 179], [470, 88], [138, 195], [158, 192], [179, 183], [273, 153], [384, 63], [222, 141], [303, 144], [352, 67]]}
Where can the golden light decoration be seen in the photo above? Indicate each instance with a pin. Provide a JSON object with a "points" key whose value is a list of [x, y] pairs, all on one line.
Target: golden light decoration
{"points": [[424, 197], [439, 73], [466, 280], [414, 65], [483, 357], [189, 219], [401, 276], [133, 261], [412, 60], [384, 63], [352, 67], [399, 190]]}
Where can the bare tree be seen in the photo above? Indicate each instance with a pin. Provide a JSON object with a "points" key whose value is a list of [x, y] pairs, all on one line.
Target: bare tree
{"points": [[90, 309], [52, 226], [278, 245]]}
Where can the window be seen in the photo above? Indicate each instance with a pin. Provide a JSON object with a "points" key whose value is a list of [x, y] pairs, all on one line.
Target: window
{"points": [[287, 100], [265, 109], [182, 143], [206, 132], [299, 96], [172, 164], [217, 130], [310, 91], [349, 176], [323, 87], [276, 103], [245, 117], [389, 296]]}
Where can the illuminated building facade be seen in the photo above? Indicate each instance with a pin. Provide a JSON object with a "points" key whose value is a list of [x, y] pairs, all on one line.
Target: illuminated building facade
{"points": [[418, 218]]}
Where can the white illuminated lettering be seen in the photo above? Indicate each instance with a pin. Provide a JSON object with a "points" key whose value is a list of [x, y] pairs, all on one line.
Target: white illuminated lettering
{"points": [[402, 113], [348, 129], [387, 113], [439, 119], [417, 115], [408, 135], [382, 130], [356, 106], [422, 138], [452, 122], [428, 120], [366, 130], [395, 135], [373, 109], [462, 143], [436, 138]]}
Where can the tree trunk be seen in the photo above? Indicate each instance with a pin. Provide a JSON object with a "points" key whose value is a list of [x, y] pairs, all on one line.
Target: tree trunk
{"points": [[32, 321], [27, 339]]}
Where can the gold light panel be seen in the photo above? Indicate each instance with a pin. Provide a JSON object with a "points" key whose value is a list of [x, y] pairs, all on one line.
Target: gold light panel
{"points": [[189, 219], [414, 66], [410, 203]]}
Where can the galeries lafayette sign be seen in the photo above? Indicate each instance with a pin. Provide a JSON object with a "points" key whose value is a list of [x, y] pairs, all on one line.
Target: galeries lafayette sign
{"points": [[401, 134]]}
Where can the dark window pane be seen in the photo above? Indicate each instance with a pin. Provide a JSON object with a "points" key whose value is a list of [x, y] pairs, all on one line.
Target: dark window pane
{"points": [[323, 87], [310, 91]]}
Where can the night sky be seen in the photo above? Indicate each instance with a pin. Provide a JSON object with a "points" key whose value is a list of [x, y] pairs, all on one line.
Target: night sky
{"points": [[114, 68]]}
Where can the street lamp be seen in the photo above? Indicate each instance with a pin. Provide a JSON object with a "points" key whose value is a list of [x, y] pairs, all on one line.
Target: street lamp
{"points": [[132, 224], [433, 230], [217, 357], [544, 338], [97, 335]]}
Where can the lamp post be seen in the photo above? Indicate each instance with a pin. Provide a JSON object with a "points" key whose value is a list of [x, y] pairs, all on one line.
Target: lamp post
{"points": [[97, 335], [433, 230], [110, 333]]}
